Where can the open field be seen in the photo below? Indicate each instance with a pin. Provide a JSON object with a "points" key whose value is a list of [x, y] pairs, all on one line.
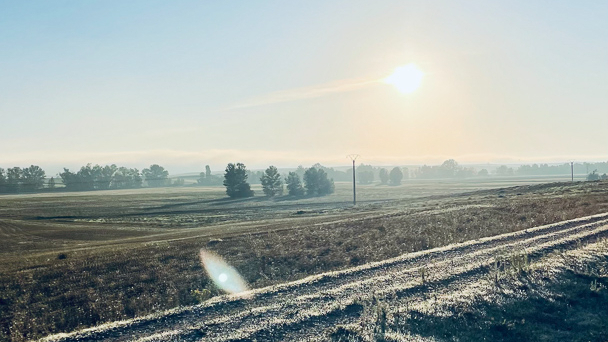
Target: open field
{"points": [[74, 260], [332, 306]]}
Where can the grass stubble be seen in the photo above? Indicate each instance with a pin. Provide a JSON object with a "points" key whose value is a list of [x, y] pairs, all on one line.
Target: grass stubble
{"points": [[560, 297]]}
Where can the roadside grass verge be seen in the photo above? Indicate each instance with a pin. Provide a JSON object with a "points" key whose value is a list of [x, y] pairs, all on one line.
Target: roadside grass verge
{"points": [[561, 298]]}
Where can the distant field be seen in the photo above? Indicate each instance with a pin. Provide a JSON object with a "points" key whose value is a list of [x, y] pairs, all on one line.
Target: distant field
{"points": [[49, 222], [72, 260], [547, 283]]}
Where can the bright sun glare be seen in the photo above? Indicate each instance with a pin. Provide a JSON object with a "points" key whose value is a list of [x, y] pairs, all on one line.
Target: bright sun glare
{"points": [[406, 78]]}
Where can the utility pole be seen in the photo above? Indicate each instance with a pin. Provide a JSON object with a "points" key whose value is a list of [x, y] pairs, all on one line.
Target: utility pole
{"points": [[354, 157], [572, 170]]}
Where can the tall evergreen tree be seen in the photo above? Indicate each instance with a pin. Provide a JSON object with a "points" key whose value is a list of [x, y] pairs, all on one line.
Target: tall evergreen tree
{"points": [[235, 181], [271, 182], [294, 185]]}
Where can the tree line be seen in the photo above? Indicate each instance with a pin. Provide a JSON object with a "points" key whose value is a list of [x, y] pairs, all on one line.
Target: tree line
{"points": [[110, 177], [316, 182], [89, 177], [594, 176], [547, 170], [452, 169], [365, 174], [16, 179]]}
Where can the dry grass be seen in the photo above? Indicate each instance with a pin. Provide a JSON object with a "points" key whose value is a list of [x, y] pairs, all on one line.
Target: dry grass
{"points": [[561, 297], [63, 281]]}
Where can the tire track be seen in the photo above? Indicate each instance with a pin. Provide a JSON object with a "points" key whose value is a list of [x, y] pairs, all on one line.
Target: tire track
{"points": [[8, 230], [305, 308]]}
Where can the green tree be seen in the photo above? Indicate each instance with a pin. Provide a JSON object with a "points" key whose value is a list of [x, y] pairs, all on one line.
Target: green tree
{"points": [[300, 171], [426, 171], [207, 171], [593, 176], [483, 173], [395, 176], [503, 170], [125, 178], [2, 180], [155, 176], [179, 181], [271, 182], [383, 174], [51, 184], [406, 173], [134, 179], [86, 178], [206, 178], [32, 178], [465, 172], [449, 168], [317, 183], [235, 181], [365, 174], [70, 180], [102, 176], [13, 179], [255, 176], [94, 177], [294, 185]]}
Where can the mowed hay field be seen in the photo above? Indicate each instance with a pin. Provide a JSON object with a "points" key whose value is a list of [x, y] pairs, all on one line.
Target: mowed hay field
{"points": [[73, 260]]}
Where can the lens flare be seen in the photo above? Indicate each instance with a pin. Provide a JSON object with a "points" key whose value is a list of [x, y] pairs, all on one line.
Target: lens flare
{"points": [[224, 276]]}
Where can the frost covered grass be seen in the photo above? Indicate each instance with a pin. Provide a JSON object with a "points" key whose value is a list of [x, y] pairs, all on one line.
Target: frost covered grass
{"points": [[560, 297]]}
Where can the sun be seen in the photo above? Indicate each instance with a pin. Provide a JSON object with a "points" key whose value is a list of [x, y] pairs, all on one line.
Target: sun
{"points": [[406, 78]]}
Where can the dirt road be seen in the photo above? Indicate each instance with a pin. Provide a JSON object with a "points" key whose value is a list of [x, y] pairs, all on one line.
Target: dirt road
{"points": [[305, 309]]}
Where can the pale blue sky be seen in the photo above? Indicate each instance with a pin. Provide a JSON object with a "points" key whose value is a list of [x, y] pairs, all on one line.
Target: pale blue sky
{"points": [[189, 83]]}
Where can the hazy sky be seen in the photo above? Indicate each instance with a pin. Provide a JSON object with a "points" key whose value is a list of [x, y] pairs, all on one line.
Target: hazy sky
{"points": [[189, 83]]}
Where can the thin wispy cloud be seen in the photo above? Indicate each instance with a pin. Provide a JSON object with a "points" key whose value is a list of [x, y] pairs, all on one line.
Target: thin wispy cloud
{"points": [[304, 93]]}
